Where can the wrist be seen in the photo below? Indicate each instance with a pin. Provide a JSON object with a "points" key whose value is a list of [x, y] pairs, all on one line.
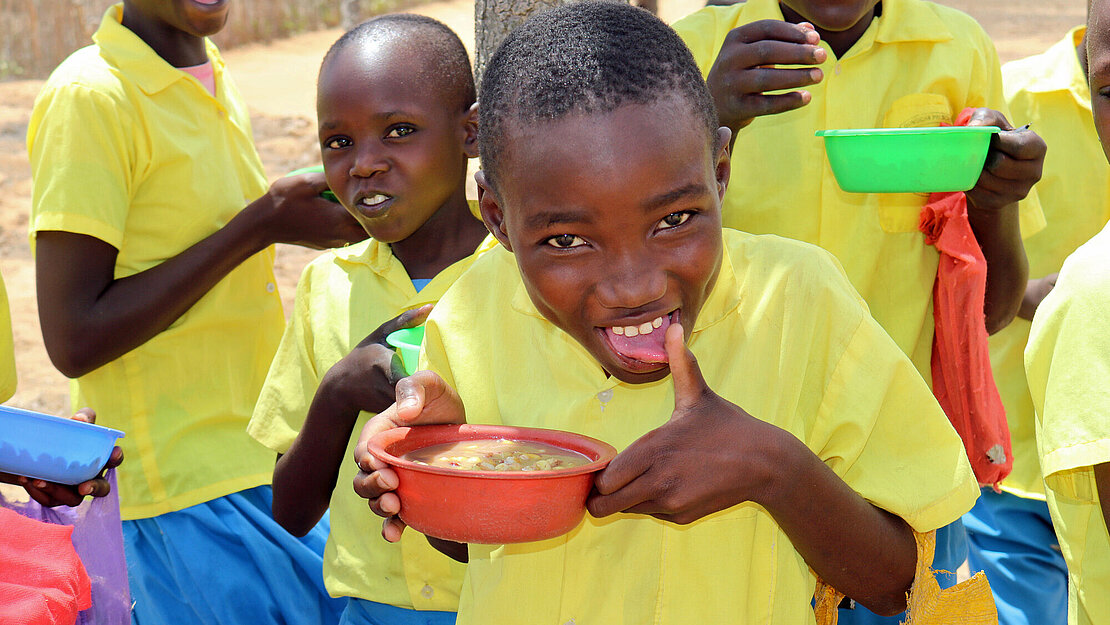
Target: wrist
{"points": [[782, 470], [254, 221], [333, 400]]}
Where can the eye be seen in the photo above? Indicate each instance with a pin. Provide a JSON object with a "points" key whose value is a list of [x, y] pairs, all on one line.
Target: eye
{"points": [[397, 132], [674, 220], [565, 241], [336, 143]]}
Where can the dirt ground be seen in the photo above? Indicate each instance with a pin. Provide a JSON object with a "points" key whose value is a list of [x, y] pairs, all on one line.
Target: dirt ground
{"points": [[278, 82]]}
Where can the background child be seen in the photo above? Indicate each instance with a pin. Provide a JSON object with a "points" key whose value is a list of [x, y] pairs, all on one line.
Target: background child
{"points": [[1010, 533], [1067, 365], [397, 125], [156, 292], [603, 173], [896, 63]]}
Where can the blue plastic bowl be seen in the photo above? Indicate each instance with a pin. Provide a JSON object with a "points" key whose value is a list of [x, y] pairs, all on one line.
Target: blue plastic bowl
{"points": [[51, 448]]}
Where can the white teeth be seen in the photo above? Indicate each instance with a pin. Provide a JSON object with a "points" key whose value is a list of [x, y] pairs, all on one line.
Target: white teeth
{"points": [[374, 199], [658, 321], [631, 331], [646, 327], [618, 330]]}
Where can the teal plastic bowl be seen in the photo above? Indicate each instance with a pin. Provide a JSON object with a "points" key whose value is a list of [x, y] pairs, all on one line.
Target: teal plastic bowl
{"points": [[907, 160], [315, 169], [407, 342], [50, 448]]}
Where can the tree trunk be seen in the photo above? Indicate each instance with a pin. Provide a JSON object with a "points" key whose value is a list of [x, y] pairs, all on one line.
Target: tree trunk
{"points": [[494, 19]]}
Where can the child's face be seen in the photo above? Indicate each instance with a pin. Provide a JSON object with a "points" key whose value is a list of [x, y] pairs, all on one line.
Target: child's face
{"points": [[832, 15], [199, 18], [615, 222], [1098, 68], [394, 148]]}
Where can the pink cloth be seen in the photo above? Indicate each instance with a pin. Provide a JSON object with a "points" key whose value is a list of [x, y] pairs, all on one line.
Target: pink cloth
{"points": [[962, 379], [42, 580], [205, 73]]}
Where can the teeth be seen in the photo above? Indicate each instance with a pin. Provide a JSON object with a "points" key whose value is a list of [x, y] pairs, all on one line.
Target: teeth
{"points": [[658, 321], [646, 327], [374, 199], [631, 331], [618, 330]]}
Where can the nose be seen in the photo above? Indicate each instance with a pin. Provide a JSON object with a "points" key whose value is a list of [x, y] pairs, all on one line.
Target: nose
{"points": [[370, 159], [632, 281]]}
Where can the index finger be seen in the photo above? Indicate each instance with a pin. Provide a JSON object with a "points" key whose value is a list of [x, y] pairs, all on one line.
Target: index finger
{"points": [[777, 30], [408, 319]]}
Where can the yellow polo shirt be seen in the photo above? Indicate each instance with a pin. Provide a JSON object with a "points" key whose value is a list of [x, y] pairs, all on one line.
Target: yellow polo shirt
{"points": [[1050, 91], [131, 151], [918, 64], [783, 335], [342, 297], [7, 348], [1068, 364]]}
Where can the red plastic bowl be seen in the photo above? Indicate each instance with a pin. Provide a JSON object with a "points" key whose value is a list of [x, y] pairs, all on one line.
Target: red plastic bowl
{"points": [[490, 507]]}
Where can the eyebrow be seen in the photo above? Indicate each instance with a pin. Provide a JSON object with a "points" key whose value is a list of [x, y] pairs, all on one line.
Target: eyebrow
{"points": [[547, 219], [693, 189], [385, 117]]}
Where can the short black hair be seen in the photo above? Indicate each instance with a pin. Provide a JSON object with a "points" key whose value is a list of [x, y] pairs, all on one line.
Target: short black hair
{"points": [[585, 57], [432, 37]]}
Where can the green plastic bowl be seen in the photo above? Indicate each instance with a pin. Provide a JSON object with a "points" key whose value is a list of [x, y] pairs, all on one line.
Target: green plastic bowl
{"points": [[407, 342], [907, 160], [315, 169]]}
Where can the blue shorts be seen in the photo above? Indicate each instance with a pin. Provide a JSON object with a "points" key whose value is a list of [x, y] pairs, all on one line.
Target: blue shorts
{"points": [[227, 562], [362, 612], [1013, 542], [950, 554]]}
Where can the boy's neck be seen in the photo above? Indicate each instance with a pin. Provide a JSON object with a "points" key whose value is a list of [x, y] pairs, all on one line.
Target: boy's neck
{"points": [[449, 235], [839, 41], [176, 47]]}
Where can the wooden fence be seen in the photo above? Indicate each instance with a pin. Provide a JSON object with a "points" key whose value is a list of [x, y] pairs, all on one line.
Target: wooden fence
{"points": [[36, 35]]}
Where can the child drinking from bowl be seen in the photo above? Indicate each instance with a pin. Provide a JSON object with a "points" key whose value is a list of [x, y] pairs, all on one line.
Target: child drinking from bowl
{"points": [[772, 435], [397, 126], [153, 232], [1067, 362], [868, 64]]}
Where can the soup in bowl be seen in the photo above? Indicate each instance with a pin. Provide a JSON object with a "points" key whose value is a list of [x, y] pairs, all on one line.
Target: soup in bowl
{"points": [[450, 485]]}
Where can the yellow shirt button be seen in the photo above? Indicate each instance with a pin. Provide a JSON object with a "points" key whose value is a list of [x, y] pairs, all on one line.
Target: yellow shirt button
{"points": [[427, 591]]}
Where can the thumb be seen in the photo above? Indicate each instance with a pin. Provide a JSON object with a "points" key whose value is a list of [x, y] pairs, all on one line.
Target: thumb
{"points": [[689, 385]]}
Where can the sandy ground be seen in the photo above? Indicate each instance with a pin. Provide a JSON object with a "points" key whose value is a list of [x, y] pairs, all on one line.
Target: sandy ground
{"points": [[278, 82]]}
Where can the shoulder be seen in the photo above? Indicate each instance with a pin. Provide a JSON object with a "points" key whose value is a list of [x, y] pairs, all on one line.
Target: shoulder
{"points": [[772, 264]]}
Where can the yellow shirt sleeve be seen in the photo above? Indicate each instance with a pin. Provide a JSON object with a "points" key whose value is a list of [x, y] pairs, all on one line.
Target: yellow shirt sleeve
{"points": [[7, 348]]}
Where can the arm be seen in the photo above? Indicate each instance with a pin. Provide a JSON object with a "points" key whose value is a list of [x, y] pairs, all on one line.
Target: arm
{"points": [[1035, 292], [306, 474], [89, 318], [1102, 485], [1012, 167], [862, 551]]}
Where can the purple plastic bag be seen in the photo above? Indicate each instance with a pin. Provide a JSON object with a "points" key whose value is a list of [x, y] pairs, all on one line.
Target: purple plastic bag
{"points": [[98, 539]]}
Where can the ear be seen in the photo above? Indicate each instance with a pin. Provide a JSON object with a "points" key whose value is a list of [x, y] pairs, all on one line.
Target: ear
{"points": [[492, 213], [723, 169], [470, 137]]}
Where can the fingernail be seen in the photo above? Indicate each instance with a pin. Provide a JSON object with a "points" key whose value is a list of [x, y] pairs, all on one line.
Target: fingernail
{"points": [[40, 484]]}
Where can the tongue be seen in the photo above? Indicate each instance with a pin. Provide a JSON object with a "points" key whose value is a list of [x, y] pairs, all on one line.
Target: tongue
{"points": [[643, 347], [207, 1]]}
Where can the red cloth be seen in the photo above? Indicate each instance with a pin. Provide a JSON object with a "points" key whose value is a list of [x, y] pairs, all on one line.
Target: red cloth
{"points": [[42, 580], [962, 379]]}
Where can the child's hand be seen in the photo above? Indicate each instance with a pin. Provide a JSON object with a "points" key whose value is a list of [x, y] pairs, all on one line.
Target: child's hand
{"points": [[365, 379], [1035, 292], [51, 494], [293, 212], [746, 68], [423, 398], [1013, 164], [705, 459]]}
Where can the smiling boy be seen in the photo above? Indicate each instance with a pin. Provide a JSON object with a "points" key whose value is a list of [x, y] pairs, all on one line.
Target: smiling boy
{"points": [[781, 442]]}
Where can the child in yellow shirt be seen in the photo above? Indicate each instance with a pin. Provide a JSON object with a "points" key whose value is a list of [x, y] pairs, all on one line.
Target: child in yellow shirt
{"points": [[1067, 362], [771, 433], [397, 125], [1010, 532]]}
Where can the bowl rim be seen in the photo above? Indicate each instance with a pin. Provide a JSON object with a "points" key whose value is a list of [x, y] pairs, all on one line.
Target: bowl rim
{"points": [[92, 427], [894, 132], [378, 443]]}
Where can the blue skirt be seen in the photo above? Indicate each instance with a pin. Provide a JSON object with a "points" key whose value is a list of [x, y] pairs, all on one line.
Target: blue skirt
{"points": [[227, 562], [362, 612]]}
